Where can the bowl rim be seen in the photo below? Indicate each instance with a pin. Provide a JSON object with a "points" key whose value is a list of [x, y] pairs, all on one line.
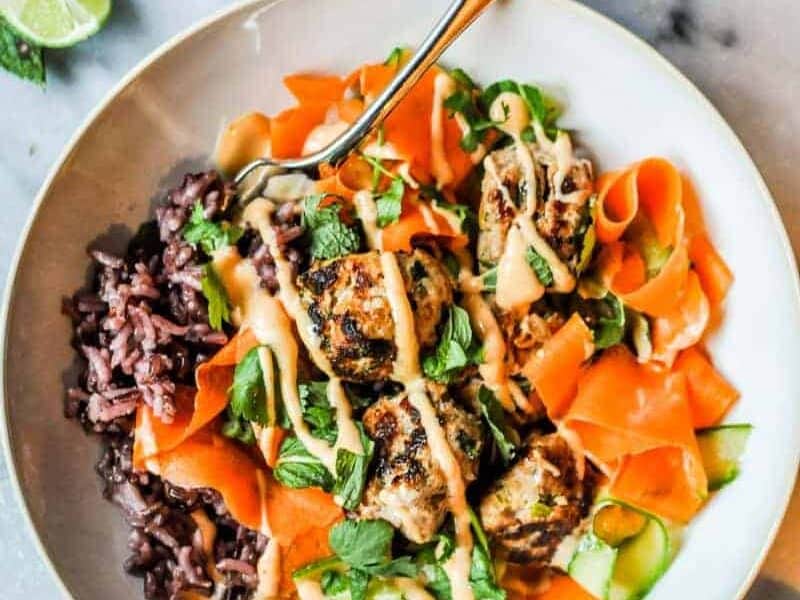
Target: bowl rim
{"points": [[633, 42]]}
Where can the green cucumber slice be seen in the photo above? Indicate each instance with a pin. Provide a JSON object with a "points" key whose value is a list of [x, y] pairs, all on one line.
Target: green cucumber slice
{"points": [[720, 448], [631, 567], [615, 523], [641, 561], [592, 565]]}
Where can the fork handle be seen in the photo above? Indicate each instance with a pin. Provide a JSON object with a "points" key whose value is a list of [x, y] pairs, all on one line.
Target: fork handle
{"points": [[460, 15]]}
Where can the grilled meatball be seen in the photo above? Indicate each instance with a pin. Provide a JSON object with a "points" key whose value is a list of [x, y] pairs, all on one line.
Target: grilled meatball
{"points": [[346, 300], [407, 488], [561, 212], [537, 502]]}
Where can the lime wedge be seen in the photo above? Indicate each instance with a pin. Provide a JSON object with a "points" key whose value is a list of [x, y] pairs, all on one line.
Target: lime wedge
{"points": [[56, 23]]}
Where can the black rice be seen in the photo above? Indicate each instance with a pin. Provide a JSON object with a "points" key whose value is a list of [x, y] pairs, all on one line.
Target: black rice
{"points": [[142, 327]]}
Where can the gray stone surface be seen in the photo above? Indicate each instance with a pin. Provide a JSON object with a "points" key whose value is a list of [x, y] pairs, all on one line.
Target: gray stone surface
{"points": [[744, 55]]}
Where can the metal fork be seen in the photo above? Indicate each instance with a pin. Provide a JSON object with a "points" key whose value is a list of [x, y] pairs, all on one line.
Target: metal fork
{"points": [[459, 16]]}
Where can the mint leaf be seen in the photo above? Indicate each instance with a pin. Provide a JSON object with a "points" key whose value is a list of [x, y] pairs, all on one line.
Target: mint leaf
{"points": [[248, 396], [455, 350], [298, 468], [210, 236], [20, 56], [351, 472], [539, 265], [492, 412], [217, 297], [482, 576], [330, 237], [464, 101], [390, 203], [609, 328], [317, 411], [364, 544], [237, 428]]}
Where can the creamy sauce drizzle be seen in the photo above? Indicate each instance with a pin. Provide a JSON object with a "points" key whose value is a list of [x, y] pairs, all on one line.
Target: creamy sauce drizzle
{"points": [[407, 371], [368, 214], [258, 214], [269, 572], [493, 368], [516, 290]]}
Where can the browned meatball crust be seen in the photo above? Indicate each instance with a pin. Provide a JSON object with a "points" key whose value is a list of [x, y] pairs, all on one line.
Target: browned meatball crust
{"points": [[537, 502], [346, 301], [558, 222], [407, 488]]}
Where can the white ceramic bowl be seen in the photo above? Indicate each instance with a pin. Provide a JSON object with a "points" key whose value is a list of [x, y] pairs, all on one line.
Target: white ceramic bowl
{"points": [[624, 100]]}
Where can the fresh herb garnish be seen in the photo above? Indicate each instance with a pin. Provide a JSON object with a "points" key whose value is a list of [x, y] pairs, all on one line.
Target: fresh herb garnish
{"points": [[20, 56], [363, 555], [329, 236], [503, 435], [298, 468], [317, 411], [209, 235], [217, 297], [238, 428], [541, 108], [363, 544], [465, 102], [467, 222], [539, 265], [395, 57], [390, 203], [248, 395], [456, 348], [351, 472], [609, 326]]}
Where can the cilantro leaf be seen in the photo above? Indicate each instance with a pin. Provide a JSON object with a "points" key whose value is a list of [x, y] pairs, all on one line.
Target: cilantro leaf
{"points": [[351, 472], [363, 544], [20, 56], [455, 350], [330, 237], [248, 396], [390, 203], [210, 236], [539, 265], [463, 101], [214, 291], [298, 468], [492, 413]]}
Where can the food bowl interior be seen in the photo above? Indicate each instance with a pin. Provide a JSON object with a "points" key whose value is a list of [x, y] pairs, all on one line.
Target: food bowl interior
{"points": [[620, 97]]}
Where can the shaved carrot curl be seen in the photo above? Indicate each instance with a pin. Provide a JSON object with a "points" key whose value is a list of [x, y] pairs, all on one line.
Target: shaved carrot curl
{"points": [[291, 128], [617, 204], [710, 394], [313, 88], [555, 368], [397, 237], [194, 408], [684, 325], [660, 191], [635, 423], [715, 276]]}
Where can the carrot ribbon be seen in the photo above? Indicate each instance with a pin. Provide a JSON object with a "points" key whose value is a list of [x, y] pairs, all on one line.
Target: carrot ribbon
{"points": [[635, 422]]}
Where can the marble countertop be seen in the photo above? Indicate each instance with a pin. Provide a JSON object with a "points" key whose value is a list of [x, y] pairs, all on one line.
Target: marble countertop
{"points": [[745, 56]]}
